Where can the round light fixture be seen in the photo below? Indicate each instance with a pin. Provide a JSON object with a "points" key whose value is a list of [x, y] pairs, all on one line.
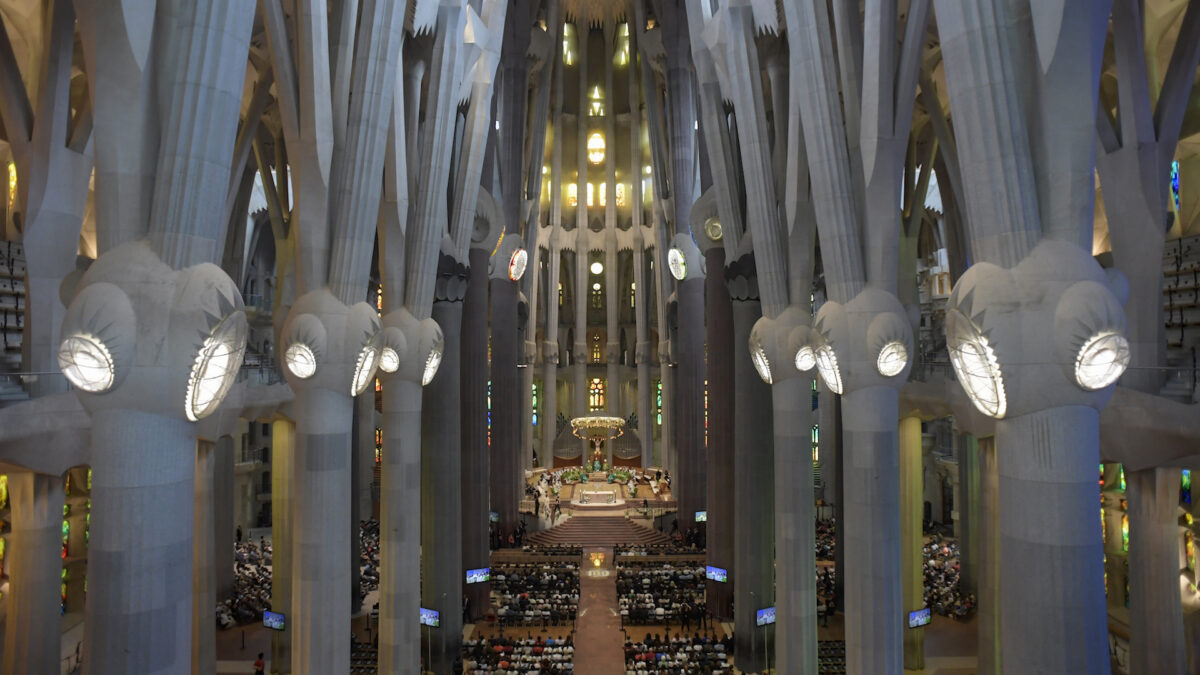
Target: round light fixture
{"points": [[712, 228], [86, 362], [596, 286], [892, 359], [300, 360], [1101, 360], [597, 267], [806, 359], [677, 264], [364, 368], [389, 360], [595, 148], [216, 366], [975, 364], [432, 362], [516, 264], [759, 356], [827, 366]]}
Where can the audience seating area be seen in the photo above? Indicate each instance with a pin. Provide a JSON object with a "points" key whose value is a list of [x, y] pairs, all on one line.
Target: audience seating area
{"points": [[536, 594], [701, 655], [831, 657], [651, 592], [521, 655]]}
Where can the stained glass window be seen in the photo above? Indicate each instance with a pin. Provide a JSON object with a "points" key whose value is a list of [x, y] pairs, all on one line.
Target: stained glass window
{"points": [[378, 445], [658, 402], [534, 400], [1103, 526], [66, 534], [1121, 481], [489, 413], [3, 492], [1102, 476], [816, 437], [596, 394], [1189, 550], [1175, 185], [1125, 533], [1185, 488], [706, 412]]}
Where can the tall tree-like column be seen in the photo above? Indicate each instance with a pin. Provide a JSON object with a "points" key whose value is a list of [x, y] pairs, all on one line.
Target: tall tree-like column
{"points": [[283, 457], [549, 415], [912, 497], [33, 629], [718, 323], [476, 454], [1023, 86]]}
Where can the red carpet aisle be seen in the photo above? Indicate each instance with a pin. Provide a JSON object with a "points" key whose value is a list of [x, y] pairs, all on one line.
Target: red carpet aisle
{"points": [[599, 649]]}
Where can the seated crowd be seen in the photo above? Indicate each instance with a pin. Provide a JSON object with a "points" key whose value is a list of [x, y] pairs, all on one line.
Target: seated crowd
{"points": [[553, 549], [941, 579], [368, 557], [634, 550], [520, 655], [676, 655], [544, 593], [650, 592], [826, 539]]}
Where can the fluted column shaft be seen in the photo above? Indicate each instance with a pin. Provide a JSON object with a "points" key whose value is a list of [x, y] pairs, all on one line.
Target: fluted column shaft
{"points": [[320, 621], [283, 459], [139, 605], [1154, 607], [204, 575], [1052, 614], [549, 416], [400, 529], [912, 500], [33, 629], [989, 556], [874, 618], [441, 487], [720, 462], [506, 405], [795, 528], [476, 455], [753, 567]]}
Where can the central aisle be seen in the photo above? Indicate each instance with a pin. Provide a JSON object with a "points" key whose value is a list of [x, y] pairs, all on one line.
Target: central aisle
{"points": [[599, 646]]}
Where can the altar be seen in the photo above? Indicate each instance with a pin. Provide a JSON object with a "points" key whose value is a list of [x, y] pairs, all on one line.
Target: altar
{"points": [[602, 495]]}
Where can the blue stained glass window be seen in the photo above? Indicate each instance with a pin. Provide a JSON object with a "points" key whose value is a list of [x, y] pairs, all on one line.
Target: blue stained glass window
{"points": [[1185, 488], [1175, 184]]}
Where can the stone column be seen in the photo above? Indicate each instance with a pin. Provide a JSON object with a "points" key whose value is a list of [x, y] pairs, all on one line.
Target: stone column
{"points": [[721, 466], [645, 405], [1155, 612], [441, 492], [549, 414], [827, 445], [139, 605], [364, 455], [400, 528], [506, 402], [989, 558], [612, 350], [911, 540], [874, 618], [320, 622], [968, 529], [223, 514], [581, 310], [752, 573], [33, 629], [795, 525], [204, 575], [476, 455], [283, 458], [1053, 616]]}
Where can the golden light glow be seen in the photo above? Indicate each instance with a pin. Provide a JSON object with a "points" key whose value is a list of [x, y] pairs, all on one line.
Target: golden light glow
{"points": [[595, 148], [572, 194], [12, 185], [596, 108]]}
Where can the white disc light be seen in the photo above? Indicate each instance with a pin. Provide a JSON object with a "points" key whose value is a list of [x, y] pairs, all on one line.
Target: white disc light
{"points": [[892, 359], [759, 356], [597, 267], [431, 363], [827, 366], [806, 358], [87, 363], [300, 360], [1101, 360], [517, 264], [677, 264], [216, 366], [975, 365], [389, 360]]}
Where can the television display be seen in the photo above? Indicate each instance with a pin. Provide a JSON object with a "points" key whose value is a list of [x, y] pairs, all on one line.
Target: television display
{"points": [[429, 617], [274, 620], [479, 576], [716, 573], [766, 616], [702, 516], [494, 516], [918, 618]]}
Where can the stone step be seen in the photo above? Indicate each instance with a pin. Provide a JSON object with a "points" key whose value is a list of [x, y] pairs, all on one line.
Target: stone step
{"points": [[597, 531]]}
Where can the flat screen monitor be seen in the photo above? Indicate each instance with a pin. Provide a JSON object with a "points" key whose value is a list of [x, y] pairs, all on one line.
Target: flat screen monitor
{"points": [[479, 576], [494, 516], [716, 573], [766, 616], [918, 618], [274, 620], [702, 516], [429, 617]]}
